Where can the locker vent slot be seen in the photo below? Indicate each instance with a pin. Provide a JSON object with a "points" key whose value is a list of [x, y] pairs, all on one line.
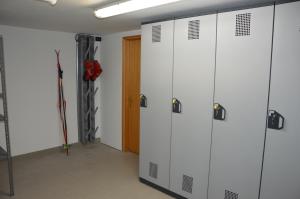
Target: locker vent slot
{"points": [[156, 33], [153, 170], [242, 27], [231, 195], [187, 184], [193, 32]]}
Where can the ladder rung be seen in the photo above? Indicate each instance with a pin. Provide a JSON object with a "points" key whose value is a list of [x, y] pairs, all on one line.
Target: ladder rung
{"points": [[2, 118]]}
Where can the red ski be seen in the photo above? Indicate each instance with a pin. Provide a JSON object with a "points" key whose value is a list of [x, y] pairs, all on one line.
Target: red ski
{"points": [[62, 103]]}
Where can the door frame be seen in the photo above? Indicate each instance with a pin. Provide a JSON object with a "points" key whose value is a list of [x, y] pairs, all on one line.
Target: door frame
{"points": [[124, 40]]}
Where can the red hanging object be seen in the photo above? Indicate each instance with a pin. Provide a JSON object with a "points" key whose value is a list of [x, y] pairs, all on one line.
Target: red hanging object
{"points": [[92, 70], [89, 69], [62, 103], [97, 70]]}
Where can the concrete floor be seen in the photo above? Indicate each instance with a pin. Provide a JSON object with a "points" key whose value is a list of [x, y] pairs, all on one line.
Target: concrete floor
{"points": [[90, 172]]}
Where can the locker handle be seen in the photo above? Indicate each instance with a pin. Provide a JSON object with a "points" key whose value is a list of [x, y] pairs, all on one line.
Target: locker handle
{"points": [[219, 112], [176, 104], [275, 120], [143, 101]]}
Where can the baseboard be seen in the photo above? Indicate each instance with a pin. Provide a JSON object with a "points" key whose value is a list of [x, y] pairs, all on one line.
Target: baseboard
{"points": [[159, 188], [57, 148]]}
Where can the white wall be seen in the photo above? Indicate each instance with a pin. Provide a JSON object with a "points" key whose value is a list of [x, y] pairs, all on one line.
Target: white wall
{"points": [[31, 78], [32, 88], [111, 88]]}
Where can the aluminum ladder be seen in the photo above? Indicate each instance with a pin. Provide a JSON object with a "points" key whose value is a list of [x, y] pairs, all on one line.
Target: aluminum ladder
{"points": [[5, 154]]}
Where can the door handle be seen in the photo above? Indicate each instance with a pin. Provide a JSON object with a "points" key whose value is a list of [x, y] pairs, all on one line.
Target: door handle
{"points": [[176, 104], [143, 101], [275, 120], [219, 112]]}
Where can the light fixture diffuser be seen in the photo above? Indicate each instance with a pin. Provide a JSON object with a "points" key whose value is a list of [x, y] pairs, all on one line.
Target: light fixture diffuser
{"points": [[129, 6], [52, 2]]}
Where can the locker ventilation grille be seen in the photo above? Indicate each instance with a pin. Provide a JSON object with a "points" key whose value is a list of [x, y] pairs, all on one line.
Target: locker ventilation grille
{"points": [[187, 184], [153, 170], [231, 195], [156, 33], [242, 27], [193, 29]]}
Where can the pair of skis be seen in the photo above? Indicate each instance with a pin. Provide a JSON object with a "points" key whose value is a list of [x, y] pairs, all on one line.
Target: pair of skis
{"points": [[62, 103]]}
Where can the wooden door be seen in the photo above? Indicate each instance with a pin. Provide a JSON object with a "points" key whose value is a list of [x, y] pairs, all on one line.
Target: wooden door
{"points": [[131, 93]]}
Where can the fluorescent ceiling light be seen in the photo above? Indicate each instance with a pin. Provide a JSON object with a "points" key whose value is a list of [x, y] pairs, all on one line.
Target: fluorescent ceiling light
{"points": [[129, 6], [52, 2]]}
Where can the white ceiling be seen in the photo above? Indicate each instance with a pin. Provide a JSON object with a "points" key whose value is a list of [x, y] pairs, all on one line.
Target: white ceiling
{"points": [[77, 15]]}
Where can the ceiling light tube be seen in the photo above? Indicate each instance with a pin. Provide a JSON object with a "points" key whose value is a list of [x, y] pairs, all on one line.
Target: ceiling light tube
{"points": [[129, 6], [52, 2]]}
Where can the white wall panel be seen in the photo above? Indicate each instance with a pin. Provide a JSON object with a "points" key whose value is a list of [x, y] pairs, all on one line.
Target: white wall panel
{"points": [[110, 91], [31, 79]]}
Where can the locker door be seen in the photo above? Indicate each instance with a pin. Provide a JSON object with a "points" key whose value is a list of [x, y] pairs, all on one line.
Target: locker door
{"points": [[241, 98], [193, 86], [156, 89], [281, 172]]}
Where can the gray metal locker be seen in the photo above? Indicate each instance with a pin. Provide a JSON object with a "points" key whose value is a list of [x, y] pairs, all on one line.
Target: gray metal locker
{"points": [[243, 57], [193, 87], [281, 170], [156, 95]]}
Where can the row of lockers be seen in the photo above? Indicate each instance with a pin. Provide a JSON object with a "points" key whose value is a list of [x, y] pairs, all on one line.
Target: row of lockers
{"points": [[220, 104]]}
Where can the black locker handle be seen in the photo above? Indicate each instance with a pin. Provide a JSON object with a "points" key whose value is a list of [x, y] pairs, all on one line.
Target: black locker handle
{"points": [[219, 112], [275, 120], [176, 104], [143, 101]]}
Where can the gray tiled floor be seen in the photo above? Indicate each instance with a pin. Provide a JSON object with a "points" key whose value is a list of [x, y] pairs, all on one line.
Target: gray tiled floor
{"points": [[90, 172]]}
